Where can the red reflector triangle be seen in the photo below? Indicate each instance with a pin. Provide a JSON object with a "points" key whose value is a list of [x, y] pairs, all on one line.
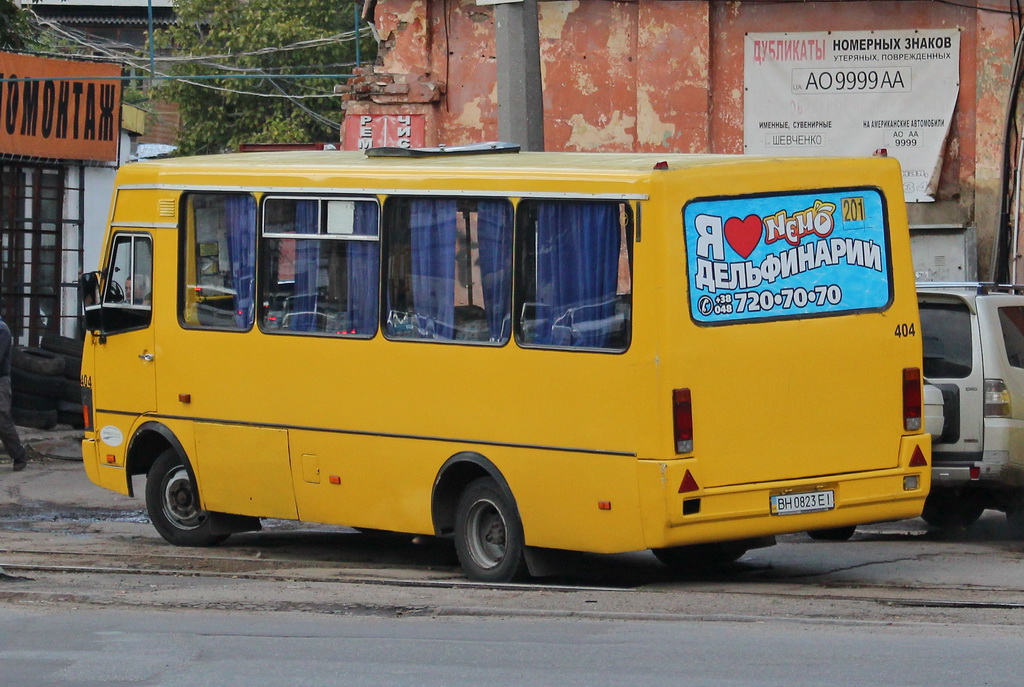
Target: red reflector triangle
{"points": [[688, 484], [917, 460]]}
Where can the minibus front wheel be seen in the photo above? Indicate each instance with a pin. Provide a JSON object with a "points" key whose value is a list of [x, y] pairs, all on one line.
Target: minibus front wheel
{"points": [[173, 504], [488, 533]]}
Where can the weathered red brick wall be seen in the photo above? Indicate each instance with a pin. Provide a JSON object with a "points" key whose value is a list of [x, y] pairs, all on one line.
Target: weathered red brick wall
{"points": [[658, 75]]}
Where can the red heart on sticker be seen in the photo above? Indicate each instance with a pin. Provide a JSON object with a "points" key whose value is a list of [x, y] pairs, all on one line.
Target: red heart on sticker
{"points": [[743, 234]]}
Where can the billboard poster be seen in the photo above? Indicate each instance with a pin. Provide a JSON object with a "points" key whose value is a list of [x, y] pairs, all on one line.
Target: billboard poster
{"points": [[60, 109], [784, 256], [853, 93]]}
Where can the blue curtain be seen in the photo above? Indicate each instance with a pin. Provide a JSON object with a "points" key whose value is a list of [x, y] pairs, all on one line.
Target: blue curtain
{"points": [[494, 236], [307, 268], [363, 270], [577, 273], [432, 224], [240, 217]]}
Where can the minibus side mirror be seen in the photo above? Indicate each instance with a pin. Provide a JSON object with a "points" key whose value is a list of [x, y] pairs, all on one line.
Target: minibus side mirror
{"points": [[89, 296]]}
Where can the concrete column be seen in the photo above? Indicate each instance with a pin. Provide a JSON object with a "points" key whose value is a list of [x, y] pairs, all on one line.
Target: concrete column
{"points": [[520, 96]]}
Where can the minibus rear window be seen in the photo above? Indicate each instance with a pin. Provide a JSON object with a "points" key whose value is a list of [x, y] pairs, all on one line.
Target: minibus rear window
{"points": [[786, 256]]}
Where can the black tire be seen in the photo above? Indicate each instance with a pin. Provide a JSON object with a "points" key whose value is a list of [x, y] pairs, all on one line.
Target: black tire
{"points": [[71, 419], [72, 368], [833, 533], [173, 504], [489, 537], [27, 382], [69, 406], [697, 557], [32, 402], [70, 390], [1015, 522], [36, 419], [948, 510], [37, 360], [65, 345]]}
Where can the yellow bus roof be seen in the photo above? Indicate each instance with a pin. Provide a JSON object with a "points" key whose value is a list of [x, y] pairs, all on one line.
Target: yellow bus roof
{"points": [[528, 164]]}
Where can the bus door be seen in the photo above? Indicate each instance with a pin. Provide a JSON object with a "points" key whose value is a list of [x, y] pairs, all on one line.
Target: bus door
{"points": [[123, 350]]}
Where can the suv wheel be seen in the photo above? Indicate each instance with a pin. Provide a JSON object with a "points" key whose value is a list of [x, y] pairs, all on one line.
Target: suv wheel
{"points": [[949, 510], [1015, 518]]}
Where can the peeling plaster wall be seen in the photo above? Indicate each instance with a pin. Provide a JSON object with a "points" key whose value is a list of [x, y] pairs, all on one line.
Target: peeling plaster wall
{"points": [[588, 63], [995, 40], [464, 59], [674, 77], [405, 37], [659, 75]]}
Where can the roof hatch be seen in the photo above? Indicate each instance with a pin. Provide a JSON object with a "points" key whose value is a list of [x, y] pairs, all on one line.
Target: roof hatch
{"points": [[488, 148]]}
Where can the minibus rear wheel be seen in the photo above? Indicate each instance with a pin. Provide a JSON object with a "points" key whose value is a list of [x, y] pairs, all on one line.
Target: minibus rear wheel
{"points": [[173, 504], [833, 533], [488, 533]]}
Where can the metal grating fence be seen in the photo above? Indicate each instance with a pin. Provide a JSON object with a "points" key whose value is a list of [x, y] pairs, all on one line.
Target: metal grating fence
{"points": [[41, 248]]}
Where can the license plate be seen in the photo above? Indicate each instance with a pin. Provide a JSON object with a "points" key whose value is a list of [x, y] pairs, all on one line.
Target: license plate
{"points": [[809, 502]]}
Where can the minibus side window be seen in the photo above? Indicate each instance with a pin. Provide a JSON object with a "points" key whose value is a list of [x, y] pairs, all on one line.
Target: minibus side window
{"points": [[574, 279], [219, 261], [320, 269], [127, 293], [449, 269]]}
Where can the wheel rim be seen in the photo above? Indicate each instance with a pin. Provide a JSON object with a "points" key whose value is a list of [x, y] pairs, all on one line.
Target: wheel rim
{"points": [[486, 534], [179, 502]]}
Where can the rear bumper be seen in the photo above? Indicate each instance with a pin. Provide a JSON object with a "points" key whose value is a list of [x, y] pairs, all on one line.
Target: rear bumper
{"points": [[951, 476], [991, 469], [743, 511]]}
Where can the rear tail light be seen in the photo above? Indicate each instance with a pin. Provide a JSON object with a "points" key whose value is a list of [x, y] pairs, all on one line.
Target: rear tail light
{"points": [[912, 399], [997, 398], [87, 408], [682, 420]]}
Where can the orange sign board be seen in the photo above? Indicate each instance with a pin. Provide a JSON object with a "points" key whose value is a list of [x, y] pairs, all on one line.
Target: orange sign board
{"points": [[61, 109]]}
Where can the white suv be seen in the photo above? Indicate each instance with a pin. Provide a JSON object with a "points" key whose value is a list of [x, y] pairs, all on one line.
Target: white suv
{"points": [[973, 337]]}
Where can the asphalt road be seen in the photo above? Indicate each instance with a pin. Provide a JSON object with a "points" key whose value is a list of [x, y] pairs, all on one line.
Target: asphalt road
{"points": [[90, 595], [100, 648], [64, 538]]}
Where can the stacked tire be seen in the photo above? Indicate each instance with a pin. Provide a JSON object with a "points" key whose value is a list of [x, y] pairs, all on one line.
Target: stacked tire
{"points": [[45, 383]]}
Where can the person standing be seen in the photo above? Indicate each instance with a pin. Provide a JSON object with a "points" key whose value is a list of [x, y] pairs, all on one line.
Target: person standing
{"points": [[8, 432]]}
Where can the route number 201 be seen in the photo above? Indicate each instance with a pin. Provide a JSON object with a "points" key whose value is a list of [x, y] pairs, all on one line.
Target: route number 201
{"points": [[853, 210], [905, 329]]}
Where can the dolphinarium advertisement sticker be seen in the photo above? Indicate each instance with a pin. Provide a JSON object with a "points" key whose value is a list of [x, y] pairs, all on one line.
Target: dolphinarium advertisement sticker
{"points": [[772, 257]]}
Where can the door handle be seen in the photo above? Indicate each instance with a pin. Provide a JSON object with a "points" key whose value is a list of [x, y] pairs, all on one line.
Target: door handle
{"points": [[148, 357]]}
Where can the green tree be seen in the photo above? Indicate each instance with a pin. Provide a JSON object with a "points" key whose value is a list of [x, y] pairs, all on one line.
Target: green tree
{"points": [[247, 53], [14, 28]]}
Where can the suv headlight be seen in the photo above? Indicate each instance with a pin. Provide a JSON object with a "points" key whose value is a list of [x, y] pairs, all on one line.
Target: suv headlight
{"points": [[997, 398]]}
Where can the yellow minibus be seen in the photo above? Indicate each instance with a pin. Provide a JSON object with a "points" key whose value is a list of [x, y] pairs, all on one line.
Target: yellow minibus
{"points": [[529, 353]]}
